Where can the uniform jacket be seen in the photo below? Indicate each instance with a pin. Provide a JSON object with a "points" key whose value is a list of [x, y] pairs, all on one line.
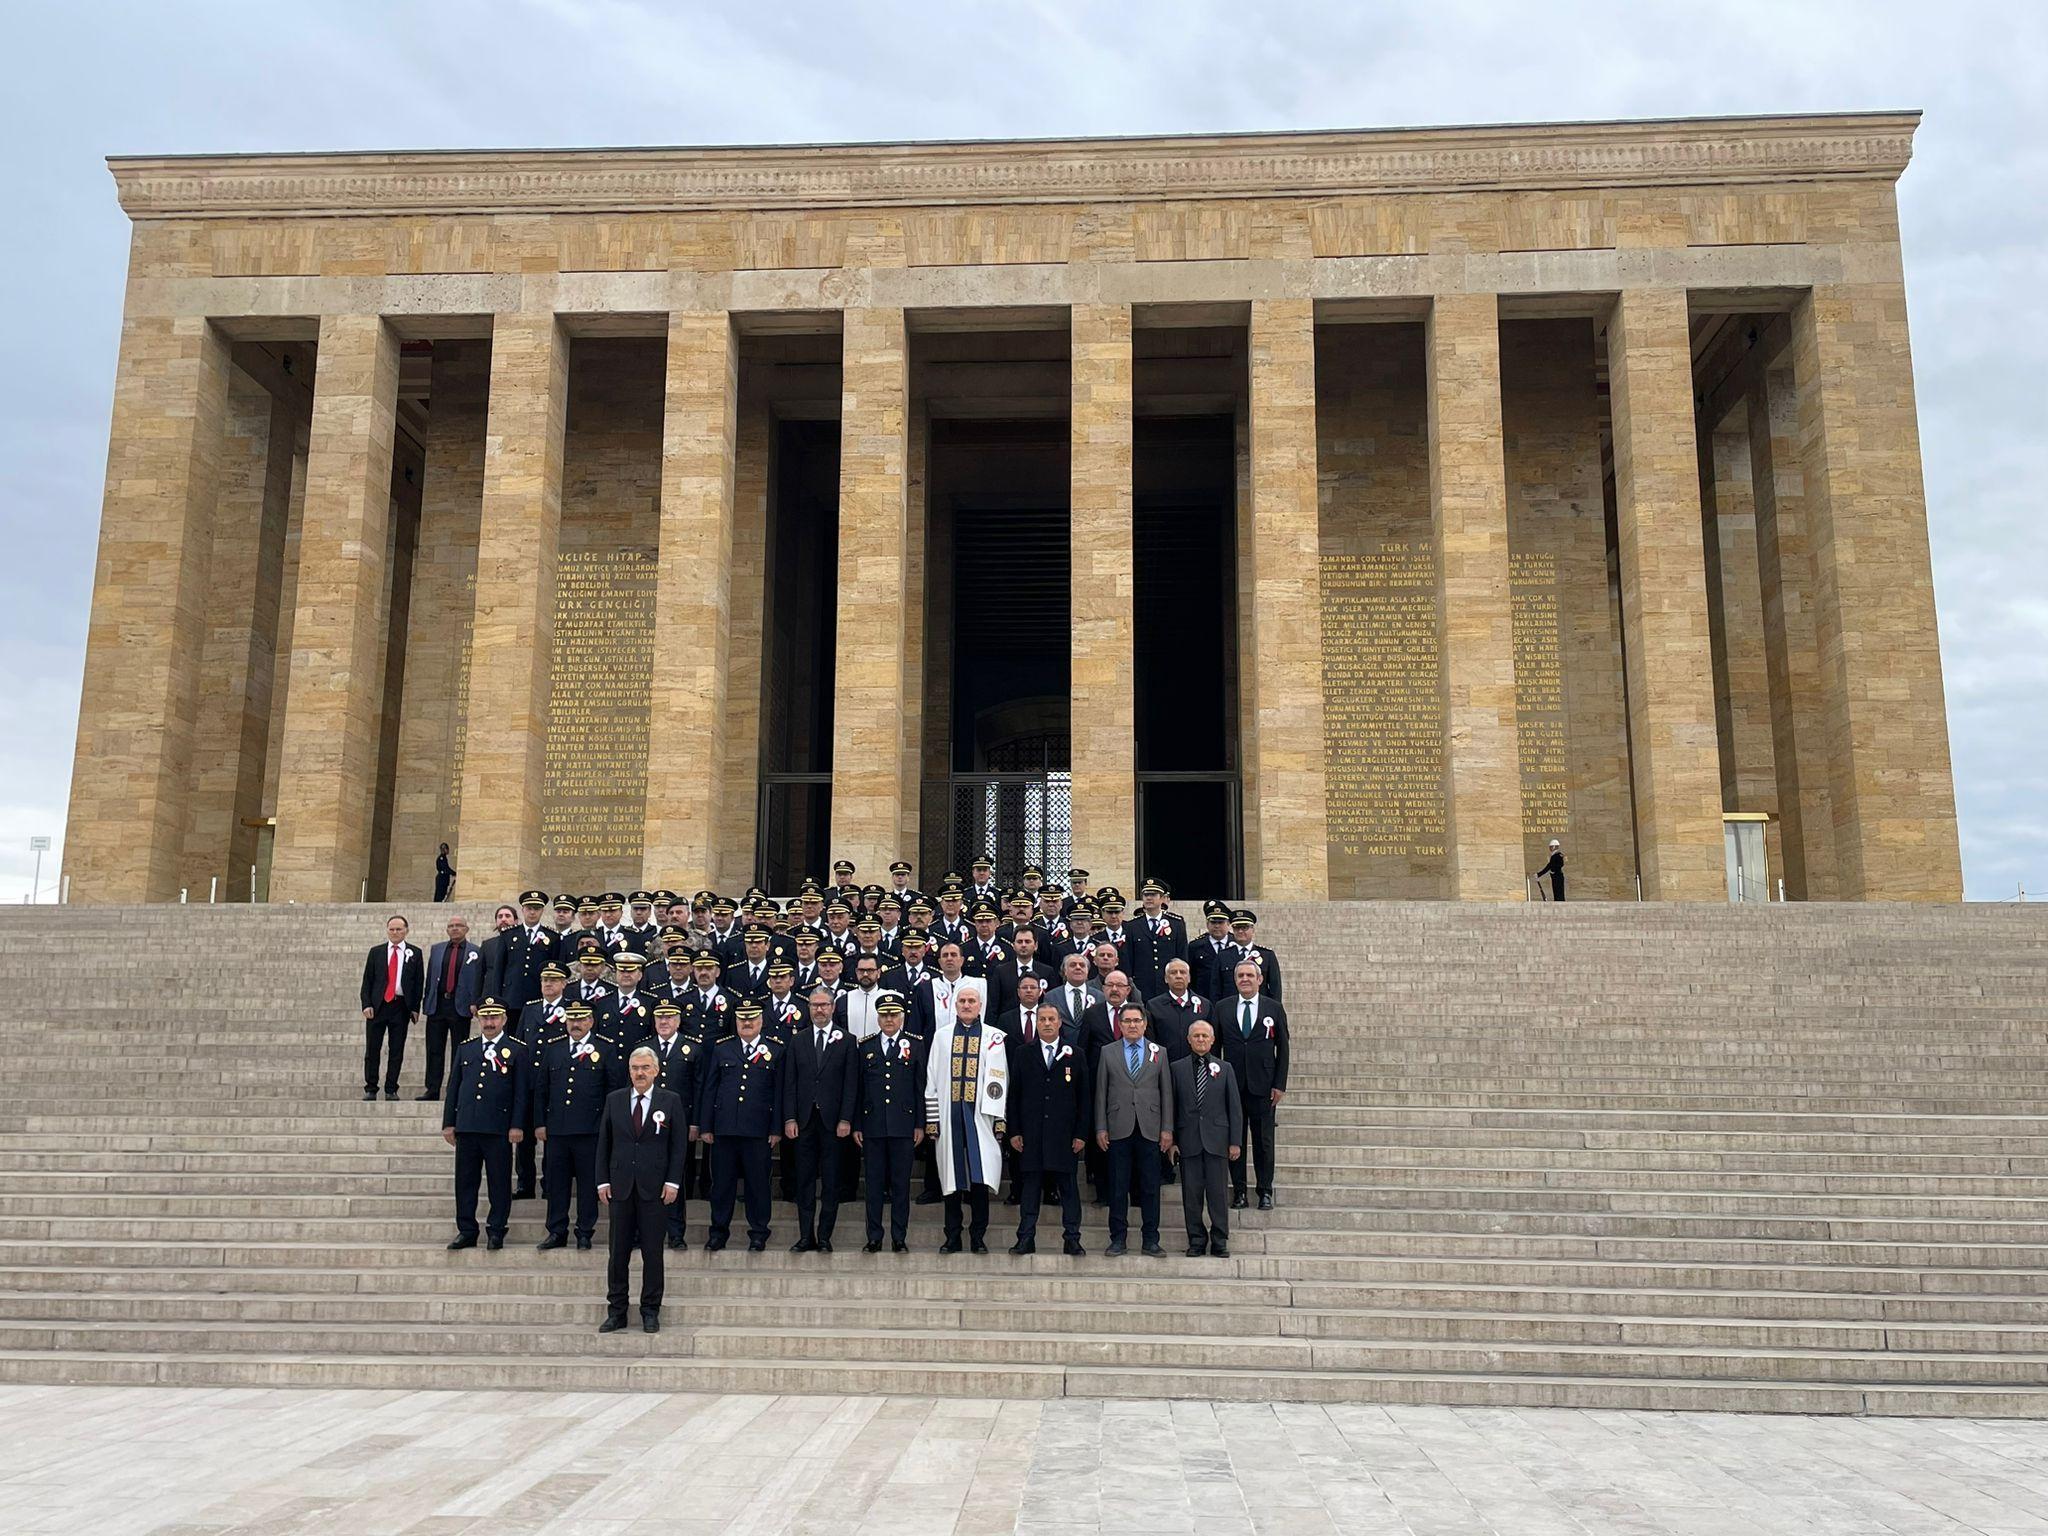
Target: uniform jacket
{"points": [[521, 954], [1149, 950], [569, 1089], [677, 1071], [1268, 962], [1124, 1107], [540, 1020], [654, 1157], [486, 1089], [1205, 967], [739, 1097], [711, 1020], [627, 1017], [888, 1095], [1220, 1125]]}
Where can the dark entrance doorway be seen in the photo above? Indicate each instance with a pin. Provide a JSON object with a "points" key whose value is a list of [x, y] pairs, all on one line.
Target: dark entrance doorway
{"points": [[1184, 675]]}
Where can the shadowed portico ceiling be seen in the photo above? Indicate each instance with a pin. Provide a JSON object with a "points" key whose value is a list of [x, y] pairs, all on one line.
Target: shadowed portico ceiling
{"points": [[1678, 152]]}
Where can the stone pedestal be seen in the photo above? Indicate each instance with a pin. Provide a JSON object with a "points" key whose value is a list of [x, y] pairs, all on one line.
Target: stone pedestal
{"points": [[517, 543], [1105, 795], [1468, 504], [327, 774], [1676, 760]]}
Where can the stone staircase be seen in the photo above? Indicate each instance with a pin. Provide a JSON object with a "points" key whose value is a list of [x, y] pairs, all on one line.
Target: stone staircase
{"points": [[1789, 1158]]}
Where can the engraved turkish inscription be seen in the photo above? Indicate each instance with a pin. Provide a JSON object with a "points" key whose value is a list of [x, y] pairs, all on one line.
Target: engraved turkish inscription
{"points": [[1539, 692], [594, 782], [1383, 718]]}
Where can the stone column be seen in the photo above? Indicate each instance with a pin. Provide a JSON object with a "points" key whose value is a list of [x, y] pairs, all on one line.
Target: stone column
{"points": [[1105, 786], [1284, 750], [868, 712], [327, 773], [243, 570], [747, 586], [1468, 507], [686, 728], [1791, 653], [125, 832], [1675, 758], [1892, 792], [513, 633]]}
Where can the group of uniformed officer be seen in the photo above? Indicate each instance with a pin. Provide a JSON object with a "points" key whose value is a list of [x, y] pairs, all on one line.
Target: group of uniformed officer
{"points": [[804, 1023]]}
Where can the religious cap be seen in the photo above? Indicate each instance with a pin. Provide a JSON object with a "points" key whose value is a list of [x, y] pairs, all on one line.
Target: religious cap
{"points": [[1555, 843]]}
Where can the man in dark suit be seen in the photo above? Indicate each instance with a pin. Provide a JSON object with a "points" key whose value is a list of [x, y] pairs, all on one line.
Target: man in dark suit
{"points": [[1252, 1030], [739, 1099], [522, 953], [1175, 1009], [575, 1072], [1133, 1127], [1086, 1016], [482, 1119], [1023, 962], [1050, 1112], [503, 921], [887, 1122], [679, 1058], [394, 986], [816, 1102], [1209, 1139], [640, 1171], [455, 970]]}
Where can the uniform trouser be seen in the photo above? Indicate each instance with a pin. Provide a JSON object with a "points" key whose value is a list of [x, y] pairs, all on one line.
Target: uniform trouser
{"points": [[888, 1160], [441, 1034], [1205, 1181], [571, 1159], [1258, 1132], [928, 1156], [1031, 1194], [697, 1169], [527, 1162], [1134, 1159], [482, 1157], [736, 1160], [637, 1222], [847, 1166], [971, 1204], [1097, 1162], [374, 1033], [678, 1214], [817, 1180]]}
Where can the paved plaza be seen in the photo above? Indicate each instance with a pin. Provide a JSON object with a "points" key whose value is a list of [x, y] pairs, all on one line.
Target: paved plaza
{"points": [[181, 1462]]}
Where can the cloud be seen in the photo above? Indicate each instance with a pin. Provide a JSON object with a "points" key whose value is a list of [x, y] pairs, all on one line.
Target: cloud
{"points": [[243, 76]]}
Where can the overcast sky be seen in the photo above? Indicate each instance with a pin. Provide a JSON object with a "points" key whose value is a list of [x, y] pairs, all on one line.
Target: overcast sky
{"points": [[92, 80]]}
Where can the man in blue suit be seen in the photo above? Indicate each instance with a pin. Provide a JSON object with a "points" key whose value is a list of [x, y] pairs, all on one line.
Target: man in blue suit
{"points": [[455, 985]]}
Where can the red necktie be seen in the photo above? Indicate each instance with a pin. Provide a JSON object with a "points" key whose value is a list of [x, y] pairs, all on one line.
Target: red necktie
{"points": [[448, 977], [391, 977]]}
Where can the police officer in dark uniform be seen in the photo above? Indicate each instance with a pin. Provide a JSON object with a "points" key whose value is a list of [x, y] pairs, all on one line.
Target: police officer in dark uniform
{"points": [[627, 1016], [1207, 955], [887, 1121], [739, 1104], [483, 1118], [642, 934], [1157, 936], [677, 1058], [521, 954], [533, 1026], [575, 1072]]}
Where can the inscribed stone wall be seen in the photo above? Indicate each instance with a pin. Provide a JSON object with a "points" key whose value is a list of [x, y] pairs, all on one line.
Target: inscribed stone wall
{"points": [[1568, 685], [595, 780], [1383, 703]]}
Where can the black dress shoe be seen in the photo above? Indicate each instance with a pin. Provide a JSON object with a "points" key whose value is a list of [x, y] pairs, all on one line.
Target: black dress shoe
{"points": [[583, 1245], [1115, 1250], [1153, 1251], [928, 1199], [1265, 1202], [714, 1245], [676, 1245], [425, 1098], [1073, 1249], [551, 1242], [1018, 1250], [650, 1322], [824, 1245], [755, 1245], [1238, 1202], [950, 1245], [390, 1095], [462, 1242], [522, 1194], [613, 1323], [369, 1095], [803, 1245], [495, 1243], [977, 1246], [899, 1247], [1219, 1250], [873, 1247], [1014, 1198], [1196, 1250]]}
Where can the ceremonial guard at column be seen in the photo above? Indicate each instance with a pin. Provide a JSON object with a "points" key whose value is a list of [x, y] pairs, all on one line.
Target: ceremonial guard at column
{"points": [[966, 1099], [888, 1119], [739, 1102], [577, 1071], [1252, 1030], [677, 1058], [483, 1118], [1050, 1114]]}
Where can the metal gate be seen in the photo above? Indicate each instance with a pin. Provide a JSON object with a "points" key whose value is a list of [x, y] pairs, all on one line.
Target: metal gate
{"points": [[1017, 818]]}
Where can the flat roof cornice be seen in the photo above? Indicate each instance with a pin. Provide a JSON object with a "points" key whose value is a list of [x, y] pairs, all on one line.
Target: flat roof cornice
{"points": [[1533, 157]]}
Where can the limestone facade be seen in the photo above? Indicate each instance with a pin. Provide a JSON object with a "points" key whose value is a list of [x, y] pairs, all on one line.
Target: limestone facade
{"points": [[1577, 494]]}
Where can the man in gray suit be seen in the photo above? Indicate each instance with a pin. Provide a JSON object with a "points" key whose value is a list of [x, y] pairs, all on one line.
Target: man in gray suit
{"points": [[1133, 1127], [1209, 1134]]}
